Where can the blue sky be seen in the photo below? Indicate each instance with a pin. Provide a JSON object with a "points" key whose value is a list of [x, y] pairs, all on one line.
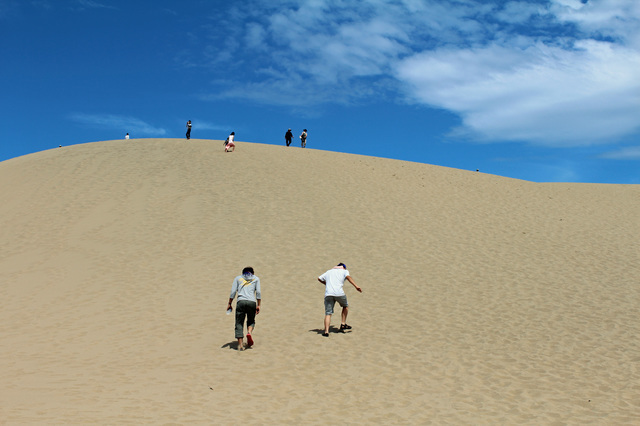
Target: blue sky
{"points": [[542, 90]]}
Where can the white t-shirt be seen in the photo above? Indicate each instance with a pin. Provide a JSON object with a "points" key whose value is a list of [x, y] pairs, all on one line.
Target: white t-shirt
{"points": [[334, 279]]}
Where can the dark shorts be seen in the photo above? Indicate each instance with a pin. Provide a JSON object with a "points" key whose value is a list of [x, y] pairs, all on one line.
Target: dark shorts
{"points": [[330, 302]]}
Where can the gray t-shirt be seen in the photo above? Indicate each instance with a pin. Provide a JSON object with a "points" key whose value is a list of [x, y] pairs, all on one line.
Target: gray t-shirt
{"points": [[247, 287]]}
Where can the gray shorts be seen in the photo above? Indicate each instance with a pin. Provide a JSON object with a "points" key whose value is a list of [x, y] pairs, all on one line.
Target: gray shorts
{"points": [[330, 301]]}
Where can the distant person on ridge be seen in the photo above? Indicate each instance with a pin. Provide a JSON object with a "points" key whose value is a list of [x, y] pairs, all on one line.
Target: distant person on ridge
{"points": [[303, 138], [333, 280], [126, 136], [229, 146], [247, 287], [188, 129], [288, 137]]}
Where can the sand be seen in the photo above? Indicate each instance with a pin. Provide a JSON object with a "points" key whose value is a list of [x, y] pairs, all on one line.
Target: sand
{"points": [[486, 300]]}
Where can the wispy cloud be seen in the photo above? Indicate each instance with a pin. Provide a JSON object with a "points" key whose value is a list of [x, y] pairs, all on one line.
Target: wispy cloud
{"points": [[41, 4], [93, 4], [119, 123], [550, 72], [628, 153], [206, 125], [8, 8]]}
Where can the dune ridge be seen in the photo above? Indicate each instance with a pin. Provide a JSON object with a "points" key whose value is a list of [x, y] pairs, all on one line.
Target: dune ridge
{"points": [[486, 300]]}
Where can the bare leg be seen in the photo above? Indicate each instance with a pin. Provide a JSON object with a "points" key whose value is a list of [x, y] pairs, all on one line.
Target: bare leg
{"points": [[327, 322], [345, 312], [240, 345]]}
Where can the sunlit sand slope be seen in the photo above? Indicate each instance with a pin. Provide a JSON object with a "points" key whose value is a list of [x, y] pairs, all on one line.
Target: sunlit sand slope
{"points": [[486, 300]]}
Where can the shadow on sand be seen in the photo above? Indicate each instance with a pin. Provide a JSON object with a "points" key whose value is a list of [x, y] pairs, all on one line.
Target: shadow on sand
{"points": [[234, 345], [332, 329]]}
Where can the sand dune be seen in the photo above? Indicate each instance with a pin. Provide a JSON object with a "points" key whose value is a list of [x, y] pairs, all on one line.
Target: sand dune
{"points": [[486, 300]]}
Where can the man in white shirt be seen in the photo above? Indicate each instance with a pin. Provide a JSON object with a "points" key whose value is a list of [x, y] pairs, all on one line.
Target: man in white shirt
{"points": [[333, 280]]}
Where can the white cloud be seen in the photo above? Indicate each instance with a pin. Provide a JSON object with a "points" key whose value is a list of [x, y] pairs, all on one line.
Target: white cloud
{"points": [[616, 19], [541, 94], [118, 122], [519, 12], [557, 72]]}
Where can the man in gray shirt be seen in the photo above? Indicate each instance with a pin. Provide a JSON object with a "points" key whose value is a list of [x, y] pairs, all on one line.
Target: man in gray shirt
{"points": [[247, 287]]}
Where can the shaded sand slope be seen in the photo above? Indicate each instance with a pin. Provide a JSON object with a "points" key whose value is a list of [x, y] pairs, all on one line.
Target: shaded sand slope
{"points": [[486, 300]]}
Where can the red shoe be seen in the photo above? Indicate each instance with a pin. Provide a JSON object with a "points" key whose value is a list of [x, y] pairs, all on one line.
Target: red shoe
{"points": [[249, 341]]}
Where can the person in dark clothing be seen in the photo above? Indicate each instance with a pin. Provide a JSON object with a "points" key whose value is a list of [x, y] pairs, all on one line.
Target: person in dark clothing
{"points": [[288, 137]]}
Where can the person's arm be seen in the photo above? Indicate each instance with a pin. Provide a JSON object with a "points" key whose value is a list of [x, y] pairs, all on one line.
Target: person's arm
{"points": [[234, 289], [258, 296], [354, 283], [323, 282]]}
